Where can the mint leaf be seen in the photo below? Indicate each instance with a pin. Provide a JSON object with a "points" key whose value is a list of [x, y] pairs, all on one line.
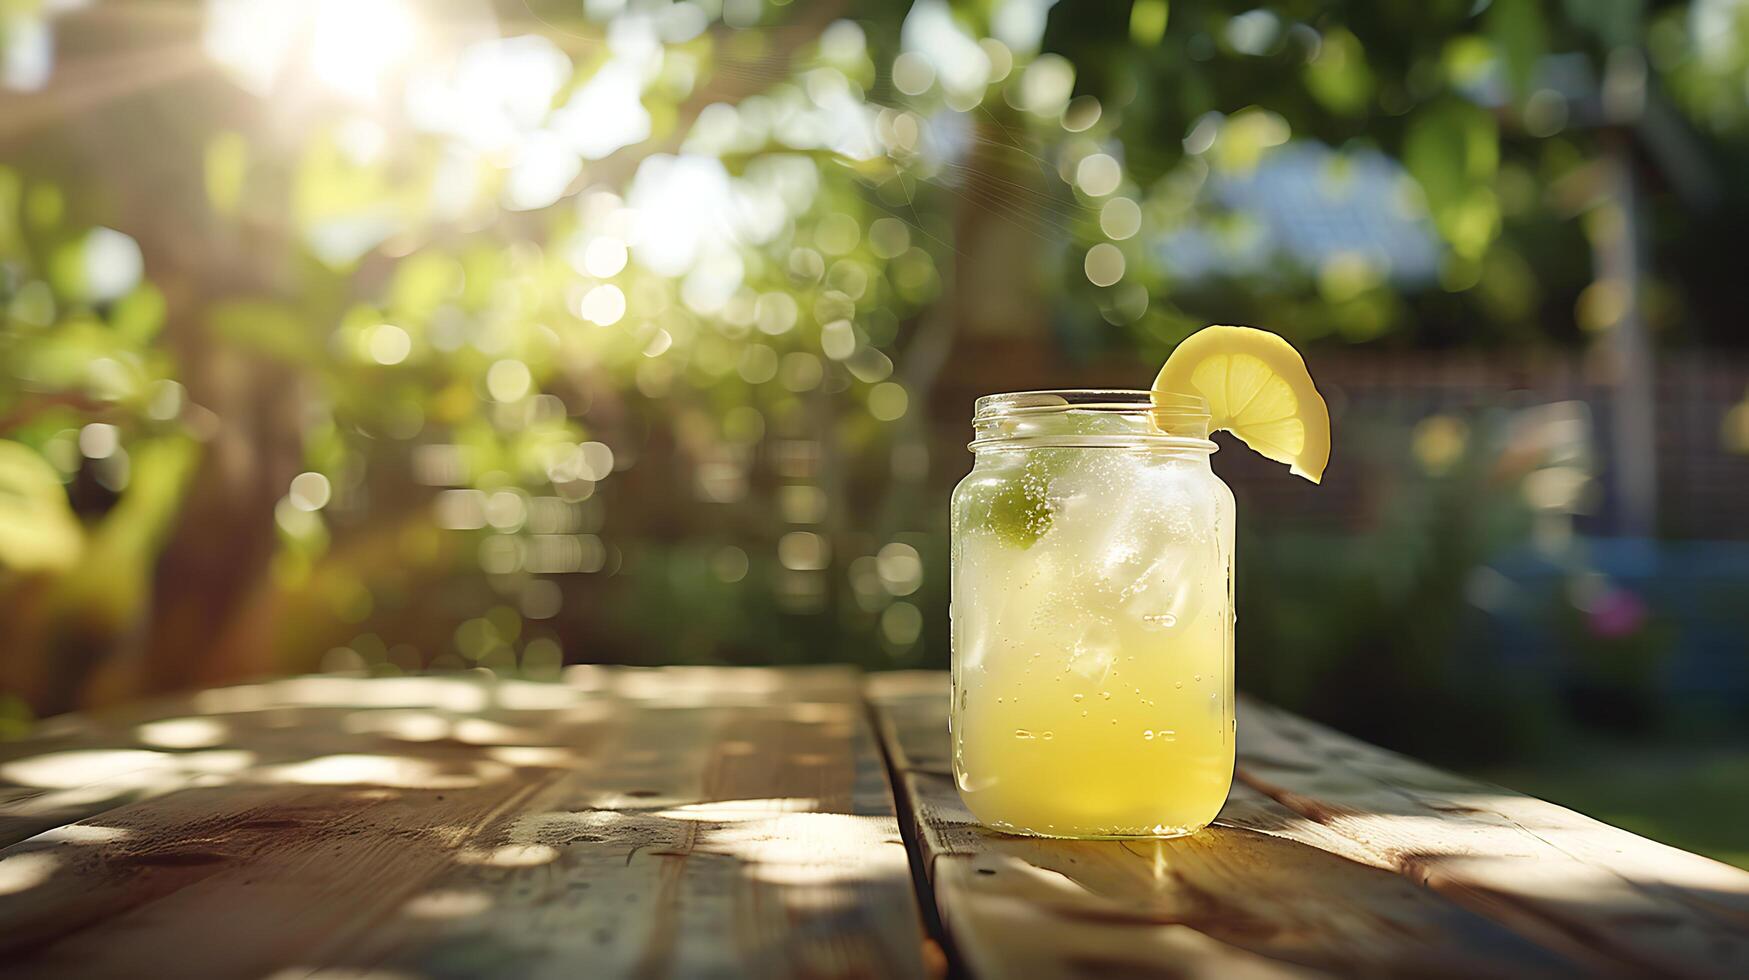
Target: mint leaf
{"points": [[1017, 505], [1017, 517]]}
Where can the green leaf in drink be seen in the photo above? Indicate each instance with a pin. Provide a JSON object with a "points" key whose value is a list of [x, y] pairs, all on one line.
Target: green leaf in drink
{"points": [[1019, 510]]}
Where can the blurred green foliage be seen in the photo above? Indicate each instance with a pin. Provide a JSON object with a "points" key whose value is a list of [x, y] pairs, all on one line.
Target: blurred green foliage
{"points": [[1370, 627], [38, 531]]}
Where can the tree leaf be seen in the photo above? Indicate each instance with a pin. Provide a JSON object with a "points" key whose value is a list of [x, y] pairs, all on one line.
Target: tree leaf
{"points": [[1452, 149], [1148, 22], [139, 315], [38, 530], [1521, 36], [122, 548], [1339, 76]]}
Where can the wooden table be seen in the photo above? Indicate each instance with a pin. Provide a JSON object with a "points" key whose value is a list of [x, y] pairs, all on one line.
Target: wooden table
{"points": [[721, 822]]}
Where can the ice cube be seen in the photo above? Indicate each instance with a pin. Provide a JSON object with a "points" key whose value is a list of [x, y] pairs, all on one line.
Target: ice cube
{"points": [[1097, 502], [1094, 650], [1171, 591], [1165, 550]]}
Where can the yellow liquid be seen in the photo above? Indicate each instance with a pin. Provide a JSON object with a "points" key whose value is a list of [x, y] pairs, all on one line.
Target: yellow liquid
{"points": [[1093, 668]]}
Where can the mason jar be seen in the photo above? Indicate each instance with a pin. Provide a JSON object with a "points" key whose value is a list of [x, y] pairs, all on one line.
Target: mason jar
{"points": [[1092, 616]]}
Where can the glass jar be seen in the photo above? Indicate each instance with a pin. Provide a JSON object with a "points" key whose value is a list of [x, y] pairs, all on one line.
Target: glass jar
{"points": [[1092, 617]]}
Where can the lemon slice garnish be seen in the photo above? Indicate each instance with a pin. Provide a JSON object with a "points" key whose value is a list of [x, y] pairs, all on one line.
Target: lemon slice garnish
{"points": [[1257, 387]]}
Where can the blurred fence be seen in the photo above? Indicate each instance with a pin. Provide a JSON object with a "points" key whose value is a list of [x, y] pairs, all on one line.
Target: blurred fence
{"points": [[1703, 481]]}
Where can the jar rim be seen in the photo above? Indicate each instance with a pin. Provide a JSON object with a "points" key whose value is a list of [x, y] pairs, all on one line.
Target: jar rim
{"points": [[1049, 400], [1180, 421]]}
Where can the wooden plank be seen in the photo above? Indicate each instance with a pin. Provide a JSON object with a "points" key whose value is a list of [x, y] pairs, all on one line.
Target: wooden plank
{"points": [[53, 777], [76, 766], [1570, 882], [1264, 892], [678, 822]]}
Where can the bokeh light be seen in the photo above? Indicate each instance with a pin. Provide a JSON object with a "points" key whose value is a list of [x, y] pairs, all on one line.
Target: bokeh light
{"points": [[389, 344], [1120, 218], [310, 491], [1104, 264], [1098, 174]]}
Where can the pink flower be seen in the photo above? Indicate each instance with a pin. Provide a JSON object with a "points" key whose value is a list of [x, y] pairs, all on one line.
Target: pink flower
{"points": [[1616, 613]]}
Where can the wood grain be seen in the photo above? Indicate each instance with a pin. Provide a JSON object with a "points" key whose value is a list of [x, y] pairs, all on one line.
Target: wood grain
{"points": [[695, 822], [1570, 882], [676, 822], [1331, 857]]}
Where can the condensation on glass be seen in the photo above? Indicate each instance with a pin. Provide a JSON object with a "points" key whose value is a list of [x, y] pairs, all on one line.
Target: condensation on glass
{"points": [[1092, 617]]}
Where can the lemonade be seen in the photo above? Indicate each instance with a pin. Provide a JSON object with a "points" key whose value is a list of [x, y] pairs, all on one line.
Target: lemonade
{"points": [[1092, 607], [1092, 620]]}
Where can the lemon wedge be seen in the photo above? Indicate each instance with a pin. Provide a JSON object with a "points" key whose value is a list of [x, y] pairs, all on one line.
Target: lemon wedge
{"points": [[1257, 388]]}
